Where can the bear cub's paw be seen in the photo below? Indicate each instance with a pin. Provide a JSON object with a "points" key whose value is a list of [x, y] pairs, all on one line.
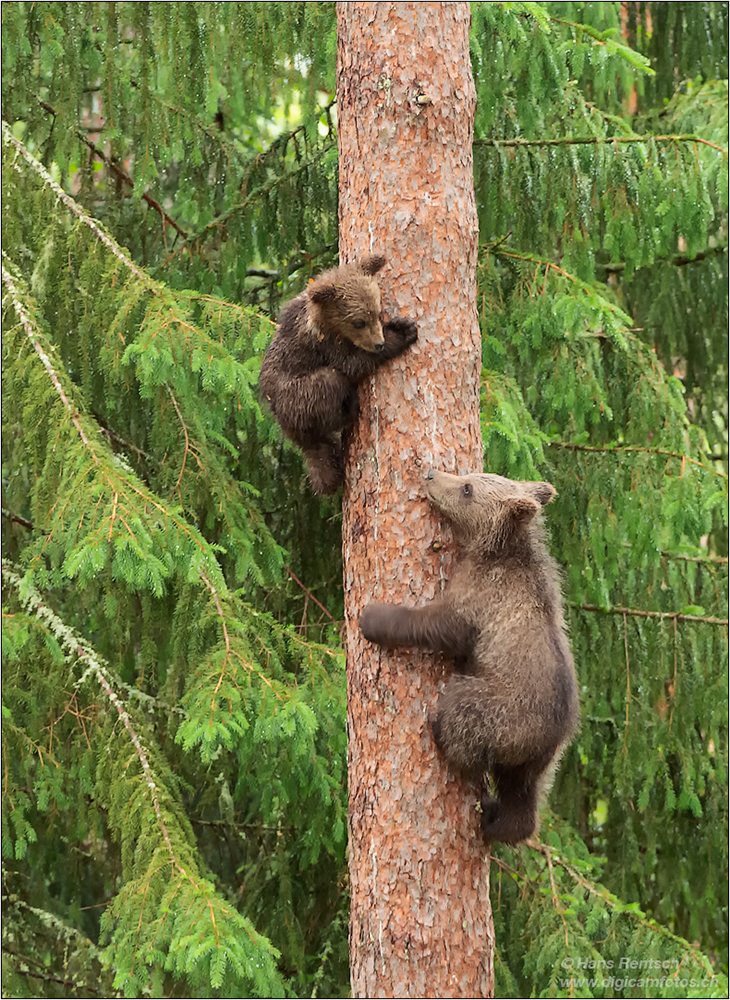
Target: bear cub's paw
{"points": [[435, 722], [375, 622], [403, 328]]}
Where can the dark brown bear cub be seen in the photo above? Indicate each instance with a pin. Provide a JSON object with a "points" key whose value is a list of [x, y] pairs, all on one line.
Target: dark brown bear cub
{"points": [[512, 705], [329, 338]]}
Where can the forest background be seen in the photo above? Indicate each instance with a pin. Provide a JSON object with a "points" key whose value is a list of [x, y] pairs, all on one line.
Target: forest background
{"points": [[174, 776]]}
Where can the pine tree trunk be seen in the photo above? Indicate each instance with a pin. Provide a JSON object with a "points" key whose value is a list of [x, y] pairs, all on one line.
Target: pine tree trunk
{"points": [[421, 923]]}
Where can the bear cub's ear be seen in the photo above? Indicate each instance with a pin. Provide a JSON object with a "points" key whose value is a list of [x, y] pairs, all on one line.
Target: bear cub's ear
{"points": [[324, 293], [521, 510], [371, 265], [544, 492]]}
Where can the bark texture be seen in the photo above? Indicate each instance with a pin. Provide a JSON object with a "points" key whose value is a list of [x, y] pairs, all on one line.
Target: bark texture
{"points": [[421, 923]]}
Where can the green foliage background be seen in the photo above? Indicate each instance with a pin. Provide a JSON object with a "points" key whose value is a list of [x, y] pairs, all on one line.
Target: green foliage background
{"points": [[174, 777]]}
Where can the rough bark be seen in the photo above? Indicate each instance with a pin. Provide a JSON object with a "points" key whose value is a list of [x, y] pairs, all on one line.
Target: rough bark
{"points": [[421, 923]]}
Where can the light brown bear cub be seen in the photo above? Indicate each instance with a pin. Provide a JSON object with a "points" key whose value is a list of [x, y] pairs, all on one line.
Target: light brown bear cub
{"points": [[329, 338], [512, 705]]}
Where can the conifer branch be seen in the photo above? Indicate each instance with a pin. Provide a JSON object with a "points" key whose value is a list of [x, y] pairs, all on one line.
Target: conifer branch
{"points": [[152, 702], [188, 450], [71, 984], [121, 174], [208, 923], [77, 648], [637, 448], [22, 735], [557, 905], [220, 220], [154, 287], [632, 910], [149, 283], [117, 487], [124, 176], [531, 259], [113, 484], [280, 142], [301, 260], [75, 208], [308, 592], [34, 337], [600, 39], [18, 520], [60, 929], [126, 445], [719, 560], [595, 140], [677, 261], [672, 615], [222, 617], [230, 651]]}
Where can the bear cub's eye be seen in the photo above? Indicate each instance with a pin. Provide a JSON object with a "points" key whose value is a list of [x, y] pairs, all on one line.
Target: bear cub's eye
{"points": [[359, 323], [466, 490]]}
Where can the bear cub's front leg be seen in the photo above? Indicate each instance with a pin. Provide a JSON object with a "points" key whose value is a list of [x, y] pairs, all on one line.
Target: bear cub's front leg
{"points": [[436, 626], [382, 624]]}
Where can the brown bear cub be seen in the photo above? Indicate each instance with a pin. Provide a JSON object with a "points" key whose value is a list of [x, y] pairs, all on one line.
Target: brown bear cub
{"points": [[329, 338], [512, 705]]}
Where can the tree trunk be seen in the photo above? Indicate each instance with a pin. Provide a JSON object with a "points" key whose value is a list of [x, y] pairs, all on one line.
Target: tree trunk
{"points": [[421, 923]]}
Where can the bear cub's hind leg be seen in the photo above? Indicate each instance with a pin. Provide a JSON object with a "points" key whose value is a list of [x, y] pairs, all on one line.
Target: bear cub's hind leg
{"points": [[325, 465]]}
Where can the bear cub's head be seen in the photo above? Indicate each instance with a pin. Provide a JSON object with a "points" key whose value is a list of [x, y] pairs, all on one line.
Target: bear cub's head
{"points": [[345, 302], [487, 511]]}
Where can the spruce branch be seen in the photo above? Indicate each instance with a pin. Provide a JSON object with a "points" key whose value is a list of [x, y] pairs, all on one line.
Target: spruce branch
{"points": [[549, 266], [678, 260], [220, 220], [596, 140], [541, 262], [47, 977], [75, 208], [59, 928], [607, 449], [188, 449], [35, 337], [531, 259], [8, 514], [149, 283], [612, 901], [681, 557], [301, 260], [78, 649], [124, 176], [117, 484], [207, 925], [230, 651], [214, 135], [557, 904], [23, 736], [308, 592], [672, 615], [121, 174], [601, 38], [122, 442]]}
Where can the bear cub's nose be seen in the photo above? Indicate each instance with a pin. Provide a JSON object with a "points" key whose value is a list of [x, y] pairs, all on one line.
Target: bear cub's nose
{"points": [[431, 474]]}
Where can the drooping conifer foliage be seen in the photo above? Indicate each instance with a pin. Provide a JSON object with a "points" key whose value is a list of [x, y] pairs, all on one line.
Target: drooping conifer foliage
{"points": [[174, 807]]}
